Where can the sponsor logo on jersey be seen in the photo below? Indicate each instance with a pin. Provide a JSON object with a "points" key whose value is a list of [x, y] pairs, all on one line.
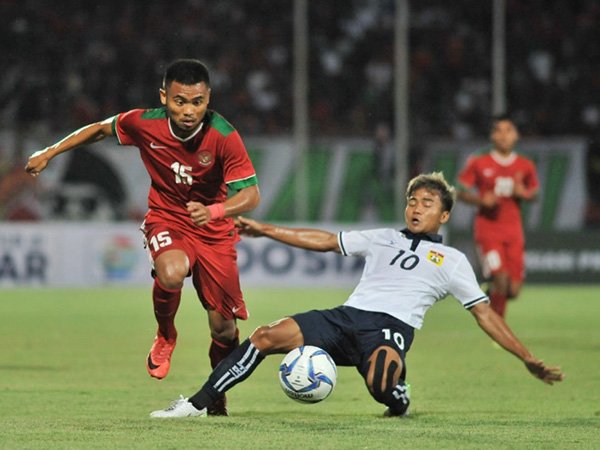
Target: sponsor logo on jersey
{"points": [[205, 158], [435, 257], [155, 146]]}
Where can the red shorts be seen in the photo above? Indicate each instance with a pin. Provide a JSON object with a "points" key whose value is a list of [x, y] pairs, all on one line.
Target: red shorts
{"points": [[502, 256], [213, 267]]}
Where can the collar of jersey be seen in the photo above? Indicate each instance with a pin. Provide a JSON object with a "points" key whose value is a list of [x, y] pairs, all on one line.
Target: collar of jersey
{"points": [[422, 236], [501, 159], [190, 136]]}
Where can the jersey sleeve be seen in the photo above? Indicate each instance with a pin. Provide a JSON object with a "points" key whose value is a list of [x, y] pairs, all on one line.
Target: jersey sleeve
{"points": [[355, 243], [238, 170], [124, 127], [468, 175], [464, 286]]}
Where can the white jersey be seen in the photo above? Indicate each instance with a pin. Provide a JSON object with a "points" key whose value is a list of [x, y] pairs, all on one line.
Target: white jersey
{"points": [[405, 274]]}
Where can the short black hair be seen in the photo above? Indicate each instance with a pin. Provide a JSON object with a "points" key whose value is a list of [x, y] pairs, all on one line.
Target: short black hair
{"points": [[434, 181], [186, 71], [500, 118]]}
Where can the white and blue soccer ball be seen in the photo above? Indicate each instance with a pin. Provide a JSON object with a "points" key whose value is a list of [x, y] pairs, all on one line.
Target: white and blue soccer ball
{"points": [[307, 374]]}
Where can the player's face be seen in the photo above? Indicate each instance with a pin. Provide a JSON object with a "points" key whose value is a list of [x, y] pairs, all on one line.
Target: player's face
{"points": [[504, 136], [424, 212], [186, 106]]}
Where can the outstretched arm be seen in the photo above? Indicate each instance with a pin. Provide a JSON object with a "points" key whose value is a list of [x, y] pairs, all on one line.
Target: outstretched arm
{"points": [[499, 331], [307, 238], [86, 135]]}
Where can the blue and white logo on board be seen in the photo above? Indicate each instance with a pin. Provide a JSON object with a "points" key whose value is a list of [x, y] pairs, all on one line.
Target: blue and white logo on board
{"points": [[119, 257]]}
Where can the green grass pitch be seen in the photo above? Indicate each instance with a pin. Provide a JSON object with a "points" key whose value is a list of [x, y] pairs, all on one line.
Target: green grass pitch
{"points": [[72, 375]]}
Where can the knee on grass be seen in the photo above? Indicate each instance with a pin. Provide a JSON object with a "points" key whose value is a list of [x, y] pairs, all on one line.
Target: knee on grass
{"points": [[382, 374]]}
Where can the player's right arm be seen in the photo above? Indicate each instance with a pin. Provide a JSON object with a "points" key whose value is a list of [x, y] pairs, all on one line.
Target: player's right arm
{"points": [[485, 200], [467, 187], [86, 135], [306, 238]]}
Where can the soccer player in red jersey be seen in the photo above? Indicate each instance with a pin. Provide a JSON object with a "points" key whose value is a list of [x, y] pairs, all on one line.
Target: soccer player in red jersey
{"points": [[193, 156], [497, 182]]}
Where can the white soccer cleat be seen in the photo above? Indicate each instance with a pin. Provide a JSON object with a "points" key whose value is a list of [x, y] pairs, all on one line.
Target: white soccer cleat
{"points": [[179, 408]]}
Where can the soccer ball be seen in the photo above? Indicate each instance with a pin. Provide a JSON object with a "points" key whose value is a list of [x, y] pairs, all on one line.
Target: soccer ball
{"points": [[307, 374]]}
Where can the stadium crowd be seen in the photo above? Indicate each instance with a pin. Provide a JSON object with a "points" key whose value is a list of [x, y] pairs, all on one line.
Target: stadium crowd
{"points": [[73, 62]]}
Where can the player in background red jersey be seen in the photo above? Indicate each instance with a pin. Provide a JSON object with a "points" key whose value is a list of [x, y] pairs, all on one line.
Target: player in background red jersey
{"points": [[497, 182], [193, 156]]}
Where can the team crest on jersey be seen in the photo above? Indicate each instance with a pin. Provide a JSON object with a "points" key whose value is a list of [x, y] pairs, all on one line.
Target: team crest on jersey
{"points": [[205, 158], [435, 257]]}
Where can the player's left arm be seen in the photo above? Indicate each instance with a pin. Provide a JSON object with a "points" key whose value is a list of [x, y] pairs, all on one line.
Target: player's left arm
{"points": [[238, 167], [499, 331], [526, 185], [244, 200]]}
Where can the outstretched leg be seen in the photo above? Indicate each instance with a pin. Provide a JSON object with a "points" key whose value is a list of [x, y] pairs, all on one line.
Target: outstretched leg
{"points": [[278, 337]]}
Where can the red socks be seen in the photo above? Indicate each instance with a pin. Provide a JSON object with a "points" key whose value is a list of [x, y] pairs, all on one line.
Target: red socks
{"points": [[220, 350], [498, 303], [166, 303]]}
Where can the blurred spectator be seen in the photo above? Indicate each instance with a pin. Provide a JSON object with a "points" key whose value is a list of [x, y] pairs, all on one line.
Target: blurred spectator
{"points": [[384, 165], [71, 62], [18, 191], [592, 217]]}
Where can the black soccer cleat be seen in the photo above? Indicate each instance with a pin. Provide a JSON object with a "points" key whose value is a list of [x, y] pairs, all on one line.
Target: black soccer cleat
{"points": [[218, 408], [402, 392]]}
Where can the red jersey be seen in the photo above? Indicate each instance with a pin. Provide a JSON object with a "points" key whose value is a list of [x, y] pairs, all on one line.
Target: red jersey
{"points": [[493, 172], [199, 168]]}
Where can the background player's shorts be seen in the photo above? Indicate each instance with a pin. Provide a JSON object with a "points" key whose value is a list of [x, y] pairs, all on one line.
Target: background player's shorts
{"points": [[497, 256], [213, 267], [350, 335]]}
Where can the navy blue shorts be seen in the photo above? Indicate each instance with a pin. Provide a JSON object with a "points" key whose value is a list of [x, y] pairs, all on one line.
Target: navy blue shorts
{"points": [[350, 335]]}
